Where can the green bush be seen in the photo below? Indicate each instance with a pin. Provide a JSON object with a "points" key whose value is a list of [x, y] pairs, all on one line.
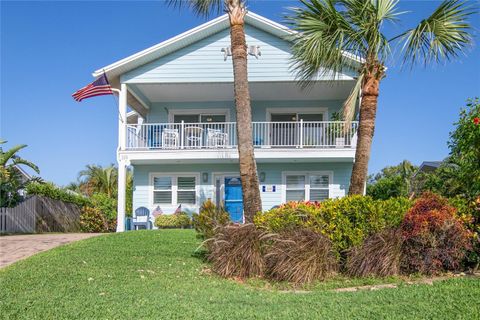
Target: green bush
{"points": [[106, 204], [51, 191], [345, 221], [209, 218], [176, 220], [93, 220]]}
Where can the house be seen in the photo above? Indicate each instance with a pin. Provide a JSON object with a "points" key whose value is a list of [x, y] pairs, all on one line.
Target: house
{"points": [[428, 167], [180, 131]]}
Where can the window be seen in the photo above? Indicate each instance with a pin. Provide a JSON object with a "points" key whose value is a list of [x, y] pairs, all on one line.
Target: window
{"points": [[308, 186], [319, 187], [295, 188], [162, 190], [174, 189], [186, 190]]}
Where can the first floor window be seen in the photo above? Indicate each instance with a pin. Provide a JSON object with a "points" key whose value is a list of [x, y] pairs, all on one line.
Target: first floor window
{"points": [[295, 188], [175, 189], [310, 187], [162, 190], [186, 190]]}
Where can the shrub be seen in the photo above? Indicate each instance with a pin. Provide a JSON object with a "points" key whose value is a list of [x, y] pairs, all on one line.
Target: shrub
{"points": [[209, 218], [379, 255], [176, 220], [434, 238], [301, 256], [53, 192], [93, 220], [346, 221], [106, 204], [236, 251]]}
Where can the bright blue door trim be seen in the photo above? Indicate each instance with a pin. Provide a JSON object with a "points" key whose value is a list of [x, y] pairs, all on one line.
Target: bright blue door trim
{"points": [[233, 198]]}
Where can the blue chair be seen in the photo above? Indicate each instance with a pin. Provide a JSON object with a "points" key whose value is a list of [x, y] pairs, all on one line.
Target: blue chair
{"points": [[141, 219]]}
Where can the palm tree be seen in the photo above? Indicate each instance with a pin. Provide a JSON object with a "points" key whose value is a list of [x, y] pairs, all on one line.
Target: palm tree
{"points": [[248, 168], [98, 179], [330, 32], [11, 181]]}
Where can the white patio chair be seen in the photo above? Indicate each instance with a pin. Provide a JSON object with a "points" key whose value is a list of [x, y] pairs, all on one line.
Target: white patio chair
{"points": [[216, 138], [193, 136], [170, 138]]}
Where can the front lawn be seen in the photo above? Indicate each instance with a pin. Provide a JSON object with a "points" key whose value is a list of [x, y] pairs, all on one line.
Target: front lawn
{"points": [[155, 275]]}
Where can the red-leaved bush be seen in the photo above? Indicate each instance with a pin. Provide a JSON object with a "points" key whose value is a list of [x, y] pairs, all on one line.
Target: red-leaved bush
{"points": [[435, 239]]}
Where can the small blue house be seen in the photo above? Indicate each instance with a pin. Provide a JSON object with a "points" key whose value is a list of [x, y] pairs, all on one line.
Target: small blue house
{"points": [[177, 125]]}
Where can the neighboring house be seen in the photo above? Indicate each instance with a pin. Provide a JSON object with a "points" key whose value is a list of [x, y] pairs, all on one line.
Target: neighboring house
{"points": [[428, 166], [180, 136], [25, 176]]}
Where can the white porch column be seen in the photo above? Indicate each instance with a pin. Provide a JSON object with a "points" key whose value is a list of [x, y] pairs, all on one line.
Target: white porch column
{"points": [[122, 188], [122, 117], [122, 165]]}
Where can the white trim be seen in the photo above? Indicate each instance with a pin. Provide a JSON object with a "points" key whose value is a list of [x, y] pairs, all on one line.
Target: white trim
{"points": [[307, 175], [231, 155], [137, 97], [174, 176], [200, 112], [309, 110]]}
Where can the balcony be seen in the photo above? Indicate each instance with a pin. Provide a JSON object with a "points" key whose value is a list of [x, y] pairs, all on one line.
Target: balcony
{"points": [[222, 135], [302, 141]]}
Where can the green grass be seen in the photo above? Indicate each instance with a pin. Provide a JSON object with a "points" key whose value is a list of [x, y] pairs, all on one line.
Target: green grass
{"points": [[155, 275]]}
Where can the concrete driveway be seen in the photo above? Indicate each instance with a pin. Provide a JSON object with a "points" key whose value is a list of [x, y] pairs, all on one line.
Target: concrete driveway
{"points": [[14, 248]]}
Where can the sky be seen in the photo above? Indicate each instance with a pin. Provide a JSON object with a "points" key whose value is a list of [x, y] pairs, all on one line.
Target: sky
{"points": [[49, 50]]}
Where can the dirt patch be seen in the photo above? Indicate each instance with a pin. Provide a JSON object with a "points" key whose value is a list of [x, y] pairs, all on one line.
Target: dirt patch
{"points": [[14, 248]]}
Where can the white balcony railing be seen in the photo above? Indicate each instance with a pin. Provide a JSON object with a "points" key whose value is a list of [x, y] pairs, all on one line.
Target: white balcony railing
{"points": [[222, 135]]}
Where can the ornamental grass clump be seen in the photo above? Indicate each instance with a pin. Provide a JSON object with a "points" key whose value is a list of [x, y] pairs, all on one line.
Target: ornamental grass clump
{"points": [[379, 255], [435, 239], [236, 251], [301, 256]]}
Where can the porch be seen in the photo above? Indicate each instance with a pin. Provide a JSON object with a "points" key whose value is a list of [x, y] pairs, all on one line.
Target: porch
{"points": [[223, 135]]}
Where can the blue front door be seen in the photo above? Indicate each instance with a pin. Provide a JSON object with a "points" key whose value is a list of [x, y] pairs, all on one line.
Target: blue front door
{"points": [[233, 199]]}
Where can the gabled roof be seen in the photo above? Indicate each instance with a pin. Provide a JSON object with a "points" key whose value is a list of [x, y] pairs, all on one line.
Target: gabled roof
{"points": [[182, 40], [205, 30]]}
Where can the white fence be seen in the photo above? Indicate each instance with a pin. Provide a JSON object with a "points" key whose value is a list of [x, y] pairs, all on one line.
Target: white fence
{"points": [[301, 134]]}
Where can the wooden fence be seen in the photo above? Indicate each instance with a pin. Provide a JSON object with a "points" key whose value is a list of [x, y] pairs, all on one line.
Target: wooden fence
{"points": [[40, 214]]}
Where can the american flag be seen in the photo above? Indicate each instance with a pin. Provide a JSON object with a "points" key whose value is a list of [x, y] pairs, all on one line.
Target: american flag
{"points": [[98, 87]]}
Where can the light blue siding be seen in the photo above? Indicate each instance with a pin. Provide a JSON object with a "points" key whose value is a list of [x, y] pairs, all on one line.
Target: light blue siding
{"points": [[273, 177], [203, 61], [158, 112]]}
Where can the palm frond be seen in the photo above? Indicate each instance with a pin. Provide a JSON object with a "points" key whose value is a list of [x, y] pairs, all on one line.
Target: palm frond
{"points": [[442, 36], [350, 105], [9, 154], [203, 8], [324, 35], [27, 163]]}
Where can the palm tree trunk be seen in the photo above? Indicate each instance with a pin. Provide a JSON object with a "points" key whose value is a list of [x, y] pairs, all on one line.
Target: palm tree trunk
{"points": [[248, 167], [366, 128]]}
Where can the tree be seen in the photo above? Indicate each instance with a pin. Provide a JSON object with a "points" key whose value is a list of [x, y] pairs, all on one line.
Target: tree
{"points": [[97, 179], [459, 174], [392, 181], [248, 168], [11, 179], [331, 32]]}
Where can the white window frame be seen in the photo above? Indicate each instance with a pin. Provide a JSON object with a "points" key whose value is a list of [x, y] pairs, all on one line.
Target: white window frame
{"points": [[213, 111], [307, 175], [174, 176]]}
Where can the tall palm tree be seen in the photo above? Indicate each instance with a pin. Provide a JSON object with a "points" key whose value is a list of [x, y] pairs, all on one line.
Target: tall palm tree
{"points": [[11, 181], [248, 168], [330, 32]]}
